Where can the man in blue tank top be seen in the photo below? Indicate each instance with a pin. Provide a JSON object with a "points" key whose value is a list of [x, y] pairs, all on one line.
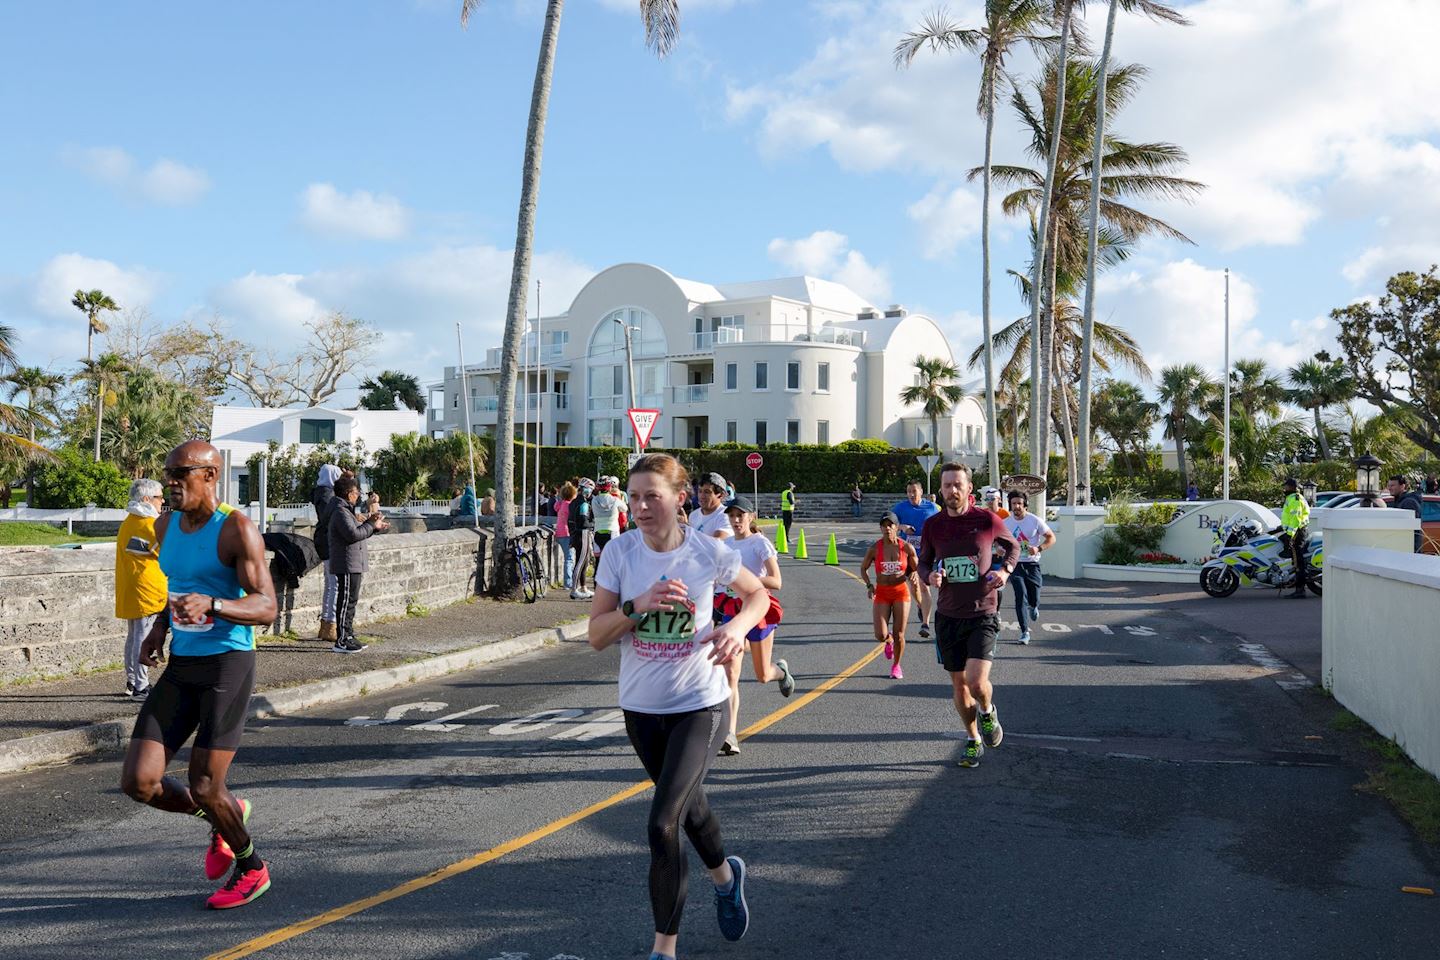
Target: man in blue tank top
{"points": [[220, 591]]}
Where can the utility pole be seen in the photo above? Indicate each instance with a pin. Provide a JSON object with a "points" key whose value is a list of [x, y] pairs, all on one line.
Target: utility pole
{"points": [[469, 434], [541, 417], [630, 373], [1225, 466]]}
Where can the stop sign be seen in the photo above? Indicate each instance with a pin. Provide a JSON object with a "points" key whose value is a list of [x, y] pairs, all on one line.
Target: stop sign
{"points": [[754, 461]]}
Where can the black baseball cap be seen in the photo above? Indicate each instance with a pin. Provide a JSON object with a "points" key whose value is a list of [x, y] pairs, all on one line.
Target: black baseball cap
{"points": [[740, 503], [890, 517]]}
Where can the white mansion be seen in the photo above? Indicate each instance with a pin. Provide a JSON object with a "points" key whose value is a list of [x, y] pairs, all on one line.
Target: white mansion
{"points": [[795, 360]]}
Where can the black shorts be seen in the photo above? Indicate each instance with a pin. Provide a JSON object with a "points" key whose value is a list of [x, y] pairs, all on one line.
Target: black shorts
{"points": [[208, 696], [601, 539], [959, 639]]}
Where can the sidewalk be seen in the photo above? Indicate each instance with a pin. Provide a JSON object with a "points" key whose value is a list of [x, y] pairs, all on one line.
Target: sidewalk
{"points": [[72, 704]]}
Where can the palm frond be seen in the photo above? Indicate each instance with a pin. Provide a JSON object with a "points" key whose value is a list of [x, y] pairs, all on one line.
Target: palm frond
{"points": [[939, 33], [662, 25]]}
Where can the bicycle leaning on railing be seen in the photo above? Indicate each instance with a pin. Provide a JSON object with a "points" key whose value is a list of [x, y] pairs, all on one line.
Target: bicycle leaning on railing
{"points": [[529, 565]]}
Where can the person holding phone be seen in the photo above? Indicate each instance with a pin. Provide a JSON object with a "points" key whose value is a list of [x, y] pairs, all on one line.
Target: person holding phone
{"points": [[140, 592], [654, 596], [958, 549]]}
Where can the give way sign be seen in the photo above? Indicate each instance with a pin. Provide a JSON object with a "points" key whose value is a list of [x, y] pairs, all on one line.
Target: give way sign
{"points": [[644, 423]]}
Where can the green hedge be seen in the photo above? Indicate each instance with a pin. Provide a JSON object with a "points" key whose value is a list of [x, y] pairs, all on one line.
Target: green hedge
{"points": [[74, 479]]}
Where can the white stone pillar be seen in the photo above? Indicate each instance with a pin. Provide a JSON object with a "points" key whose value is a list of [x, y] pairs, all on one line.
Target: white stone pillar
{"points": [[1077, 541], [1384, 528]]}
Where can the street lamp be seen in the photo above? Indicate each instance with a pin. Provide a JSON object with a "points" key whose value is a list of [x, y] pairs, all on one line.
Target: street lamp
{"points": [[1367, 481], [1307, 490]]}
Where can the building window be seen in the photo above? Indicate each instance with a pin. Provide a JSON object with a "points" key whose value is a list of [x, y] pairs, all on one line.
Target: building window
{"points": [[762, 376], [455, 402], [792, 375], [822, 378], [762, 433], [822, 432], [317, 431], [732, 431], [792, 431], [732, 376]]}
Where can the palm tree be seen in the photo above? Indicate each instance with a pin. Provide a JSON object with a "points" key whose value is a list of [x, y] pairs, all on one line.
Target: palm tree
{"points": [[937, 392], [7, 348], [662, 24], [1012, 396], [92, 303], [40, 387], [1183, 389], [1123, 414], [1315, 386], [1157, 11], [388, 386], [105, 371], [1127, 170], [1008, 23], [1378, 435], [1254, 390]]}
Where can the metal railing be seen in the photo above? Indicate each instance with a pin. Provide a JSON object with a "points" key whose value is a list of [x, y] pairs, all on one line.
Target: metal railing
{"points": [[694, 393]]}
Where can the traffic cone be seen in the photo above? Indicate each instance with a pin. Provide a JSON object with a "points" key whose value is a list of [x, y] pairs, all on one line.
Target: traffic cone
{"points": [[832, 556], [782, 545], [800, 553]]}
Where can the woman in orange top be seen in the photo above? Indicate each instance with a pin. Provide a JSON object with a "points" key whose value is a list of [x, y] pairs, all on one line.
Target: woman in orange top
{"points": [[139, 584], [895, 566]]}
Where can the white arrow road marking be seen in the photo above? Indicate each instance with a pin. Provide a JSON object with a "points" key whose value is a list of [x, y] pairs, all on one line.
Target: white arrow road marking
{"points": [[1096, 626], [396, 713], [534, 722], [606, 725], [1140, 631], [439, 725]]}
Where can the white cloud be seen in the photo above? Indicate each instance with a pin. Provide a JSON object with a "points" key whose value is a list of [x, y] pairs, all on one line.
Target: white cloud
{"points": [[266, 307], [946, 219], [174, 184], [359, 214], [827, 254], [167, 182], [1176, 311], [60, 276], [1261, 93]]}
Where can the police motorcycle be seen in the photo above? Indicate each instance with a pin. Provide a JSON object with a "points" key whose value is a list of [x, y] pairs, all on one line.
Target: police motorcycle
{"points": [[1245, 555]]}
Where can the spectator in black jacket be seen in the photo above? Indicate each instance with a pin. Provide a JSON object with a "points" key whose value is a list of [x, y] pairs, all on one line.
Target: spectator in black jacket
{"points": [[350, 558], [1403, 498], [322, 498]]}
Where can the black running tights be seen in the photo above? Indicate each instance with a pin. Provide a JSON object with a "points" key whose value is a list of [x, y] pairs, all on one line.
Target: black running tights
{"points": [[676, 750]]}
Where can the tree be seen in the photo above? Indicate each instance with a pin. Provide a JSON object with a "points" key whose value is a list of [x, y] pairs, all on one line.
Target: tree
{"points": [[69, 480], [181, 353], [1123, 414], [1392, 350], [150, 416], [1314, 386], [93, 303], [1183, 389], [336, 346], [1254, 391], [1157, 11], [1008, 23], [8, 359], [937, 393], [661, 19], [389, 386], [40, 387], [1128, 170], [105, 371]]}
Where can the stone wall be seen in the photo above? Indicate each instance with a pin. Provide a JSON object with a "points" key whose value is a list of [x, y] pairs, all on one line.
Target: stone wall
{"points": [[57, 607]]}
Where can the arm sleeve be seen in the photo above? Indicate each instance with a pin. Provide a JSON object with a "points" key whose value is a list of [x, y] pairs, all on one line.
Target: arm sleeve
{"points": [[349, 530]]}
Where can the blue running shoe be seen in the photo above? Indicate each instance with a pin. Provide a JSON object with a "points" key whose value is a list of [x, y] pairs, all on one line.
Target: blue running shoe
{"points": [[731, 911]]}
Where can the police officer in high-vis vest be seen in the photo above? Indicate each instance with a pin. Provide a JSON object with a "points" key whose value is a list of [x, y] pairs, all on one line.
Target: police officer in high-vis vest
{"points": [[787, 508], [1295, 524]]}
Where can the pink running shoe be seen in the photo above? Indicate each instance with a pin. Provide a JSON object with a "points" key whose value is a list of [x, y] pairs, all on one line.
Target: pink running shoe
{"points": [[219, 856], [241, 888], [896, 673], [889, 648]]}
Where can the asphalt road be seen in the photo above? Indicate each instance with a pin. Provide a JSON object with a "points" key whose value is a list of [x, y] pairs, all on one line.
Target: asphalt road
{"points": [[1156, 795]]}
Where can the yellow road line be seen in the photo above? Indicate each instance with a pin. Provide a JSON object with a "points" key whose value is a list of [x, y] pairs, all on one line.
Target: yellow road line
{"points": [[265, 941]]}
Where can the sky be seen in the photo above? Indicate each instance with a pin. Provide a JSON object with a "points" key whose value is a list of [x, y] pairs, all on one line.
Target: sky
{"points": [[268, 162]]}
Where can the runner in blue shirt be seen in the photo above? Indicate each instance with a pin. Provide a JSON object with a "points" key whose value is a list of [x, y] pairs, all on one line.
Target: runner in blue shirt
{"points": [[913, 512]]}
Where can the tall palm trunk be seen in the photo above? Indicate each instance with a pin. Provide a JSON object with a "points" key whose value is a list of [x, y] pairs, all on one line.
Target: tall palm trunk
{"points": [[1087, 335], [992, 447], [99, 398], [1177, 424], [1319, 436], [1015, 433], [519, 284], [99, 411], [1048, 350], [1038, 404]]}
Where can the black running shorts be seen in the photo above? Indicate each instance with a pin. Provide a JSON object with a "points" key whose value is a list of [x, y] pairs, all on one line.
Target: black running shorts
{"points": [[207, 696], [959, 639]]}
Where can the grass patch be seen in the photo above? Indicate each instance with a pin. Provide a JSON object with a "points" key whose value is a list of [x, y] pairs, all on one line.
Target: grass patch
{"points": [[414, 608], [1412, 790], [25, 533]]}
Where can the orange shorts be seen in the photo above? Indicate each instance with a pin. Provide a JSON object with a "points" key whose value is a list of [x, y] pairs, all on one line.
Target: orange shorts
{"points": [[892, 592]]}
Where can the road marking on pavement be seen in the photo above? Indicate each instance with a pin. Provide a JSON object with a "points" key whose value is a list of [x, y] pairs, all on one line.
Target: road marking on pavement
{"points": [[441, 725], [1056, 736], [1261, 655], [265, 941], [396, 713]]}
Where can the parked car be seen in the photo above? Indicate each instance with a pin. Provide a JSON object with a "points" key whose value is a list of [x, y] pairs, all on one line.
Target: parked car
{"points": [[1323, 498], [1429, 516]]}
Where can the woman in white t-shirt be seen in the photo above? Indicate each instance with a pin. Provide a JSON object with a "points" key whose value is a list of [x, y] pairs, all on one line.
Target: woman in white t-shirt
{"points": [[654, 593], [757, 554]]}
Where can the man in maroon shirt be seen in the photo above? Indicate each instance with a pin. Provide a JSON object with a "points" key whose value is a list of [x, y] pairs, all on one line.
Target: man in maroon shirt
{"points": [[957, 557]]}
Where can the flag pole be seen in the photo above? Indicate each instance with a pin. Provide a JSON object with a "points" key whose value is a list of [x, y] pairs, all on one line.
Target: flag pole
{"points": [[1225, 466], [469, 434]]}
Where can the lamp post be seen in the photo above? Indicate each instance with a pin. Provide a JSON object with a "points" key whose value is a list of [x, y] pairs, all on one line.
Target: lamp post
{"points": [[1367, 481], [1307, 490]]}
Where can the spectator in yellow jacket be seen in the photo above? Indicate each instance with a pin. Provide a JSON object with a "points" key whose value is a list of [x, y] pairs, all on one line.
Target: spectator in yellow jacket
{"points": [[139, 585]]}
